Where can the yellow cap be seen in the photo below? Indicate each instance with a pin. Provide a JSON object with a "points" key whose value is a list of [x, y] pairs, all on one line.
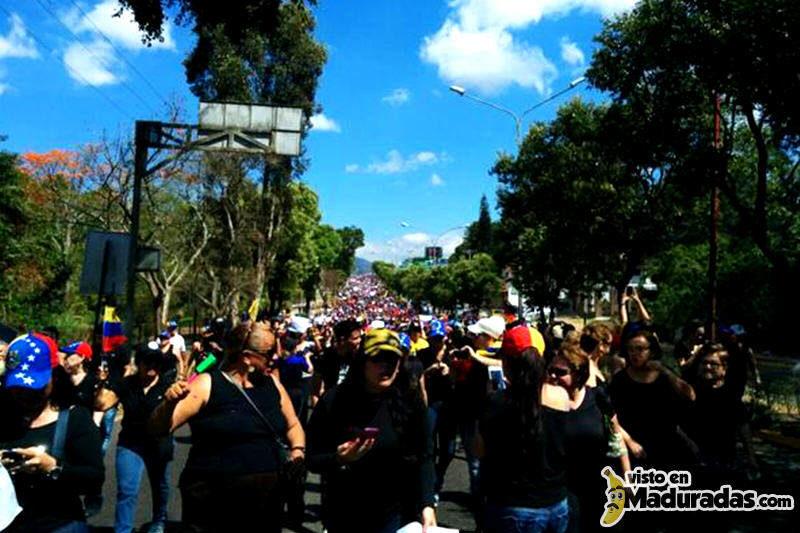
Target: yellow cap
{"points": [[382, 340]]}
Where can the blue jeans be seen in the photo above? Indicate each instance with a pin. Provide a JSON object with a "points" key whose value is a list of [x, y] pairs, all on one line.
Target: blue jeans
{"points": [[107, 427], [130, 465], [553, 519]]}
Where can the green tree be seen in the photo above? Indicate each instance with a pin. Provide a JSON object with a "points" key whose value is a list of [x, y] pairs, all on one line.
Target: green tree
{"points": [[667, 59], [297, 263], [480, 236], [352, 239], [260, 51], [577, 212]]}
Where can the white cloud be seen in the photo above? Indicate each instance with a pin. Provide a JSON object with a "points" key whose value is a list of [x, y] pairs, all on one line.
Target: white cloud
{"points": [[436, 180], [96, 68], [475, 46], [4, 87], [122, 30], [395, 163], [570, 53], [397, 97], [101, 66], [487, 59], [17, 43], [409, 245], [322, 123], [416, 238]]}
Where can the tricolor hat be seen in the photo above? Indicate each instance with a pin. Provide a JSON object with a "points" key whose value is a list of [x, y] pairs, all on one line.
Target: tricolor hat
{"points": [[81, 348], [30, 361], [437, 329], [405, 341]]}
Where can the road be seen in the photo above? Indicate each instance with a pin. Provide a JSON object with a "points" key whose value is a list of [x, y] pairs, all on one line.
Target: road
{"points": [[780, 467], [452, 510]]}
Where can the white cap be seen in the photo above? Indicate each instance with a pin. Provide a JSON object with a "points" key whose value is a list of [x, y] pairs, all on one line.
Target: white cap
{"points": [[493, 326], [299, 324], [377, 324]]}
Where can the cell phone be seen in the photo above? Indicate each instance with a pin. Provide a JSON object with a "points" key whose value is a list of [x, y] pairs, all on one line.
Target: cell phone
{"points": [[11, 458], [369, 433], [497, 378], [629, 290]]}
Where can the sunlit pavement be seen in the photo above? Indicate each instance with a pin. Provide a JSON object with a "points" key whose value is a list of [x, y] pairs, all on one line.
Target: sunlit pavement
{"points": [[780, 467]]}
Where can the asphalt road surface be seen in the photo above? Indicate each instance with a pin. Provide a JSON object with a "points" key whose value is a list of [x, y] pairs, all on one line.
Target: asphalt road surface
{"points": [[780, 468]]}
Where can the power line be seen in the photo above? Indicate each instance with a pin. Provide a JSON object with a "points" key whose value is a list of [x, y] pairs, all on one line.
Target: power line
{"points": [[77, 40], [78, 74], [121, 54]]}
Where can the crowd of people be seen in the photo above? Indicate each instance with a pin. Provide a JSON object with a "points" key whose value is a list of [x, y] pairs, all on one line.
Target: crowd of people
{"points": [[375, 397]]}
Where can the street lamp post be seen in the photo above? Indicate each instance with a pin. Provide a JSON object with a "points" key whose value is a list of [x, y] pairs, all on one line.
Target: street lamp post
{"points": [[517, 117]]}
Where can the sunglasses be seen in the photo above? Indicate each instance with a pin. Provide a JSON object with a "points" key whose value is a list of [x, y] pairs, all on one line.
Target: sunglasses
{"points": [[558, 371], [385, 359]]}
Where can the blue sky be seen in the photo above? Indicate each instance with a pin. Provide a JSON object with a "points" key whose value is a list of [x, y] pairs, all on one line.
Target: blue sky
{"points": [[394, 152]]}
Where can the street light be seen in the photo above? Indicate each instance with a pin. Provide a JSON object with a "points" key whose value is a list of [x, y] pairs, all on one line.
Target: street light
{"points": [[517, 118]]}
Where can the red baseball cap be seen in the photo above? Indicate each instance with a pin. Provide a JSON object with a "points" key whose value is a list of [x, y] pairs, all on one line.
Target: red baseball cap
{"points": [[516, 340], [81, 348]]}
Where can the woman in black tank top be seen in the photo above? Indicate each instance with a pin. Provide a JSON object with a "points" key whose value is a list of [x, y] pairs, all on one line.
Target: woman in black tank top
{"points": [[241, 420]]}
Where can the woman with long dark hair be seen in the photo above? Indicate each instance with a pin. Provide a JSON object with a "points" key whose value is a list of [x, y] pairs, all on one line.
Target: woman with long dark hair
{"points": [[371, 439], [520, 444], [241, 417]]}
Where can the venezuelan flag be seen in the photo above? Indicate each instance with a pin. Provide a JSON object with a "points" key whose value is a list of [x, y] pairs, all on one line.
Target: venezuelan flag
{"points": [[113, 336]]}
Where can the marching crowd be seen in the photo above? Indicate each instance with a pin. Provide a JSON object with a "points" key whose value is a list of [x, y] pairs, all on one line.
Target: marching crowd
{"points": [[376, 398]]}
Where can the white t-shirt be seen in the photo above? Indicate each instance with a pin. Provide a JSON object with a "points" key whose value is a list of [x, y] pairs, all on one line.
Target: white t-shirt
{"points": [[178, 340]]}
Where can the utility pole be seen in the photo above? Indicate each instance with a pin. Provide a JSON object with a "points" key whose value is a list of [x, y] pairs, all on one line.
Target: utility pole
{"points": [[713, 242], [141, 144]]}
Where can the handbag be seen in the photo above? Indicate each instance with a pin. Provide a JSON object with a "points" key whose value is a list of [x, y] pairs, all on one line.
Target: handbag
{"points": [[291, 472]]}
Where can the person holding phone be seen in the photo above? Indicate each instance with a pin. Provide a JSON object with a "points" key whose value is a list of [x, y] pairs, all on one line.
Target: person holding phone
{"points": [[51, 450], [371, 439], [520, 443], [631, 296]]}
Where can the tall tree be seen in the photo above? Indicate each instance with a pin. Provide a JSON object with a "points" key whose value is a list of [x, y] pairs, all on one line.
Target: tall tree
{"points": [[576, 211], [260, 51], [667, 59], [352, 239], [484, 228]]}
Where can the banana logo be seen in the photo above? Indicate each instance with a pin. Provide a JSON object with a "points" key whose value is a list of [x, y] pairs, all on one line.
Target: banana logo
{"points": [[615, 507]]}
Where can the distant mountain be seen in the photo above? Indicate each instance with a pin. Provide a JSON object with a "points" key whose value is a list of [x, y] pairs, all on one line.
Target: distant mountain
{"points": [[362, 266]]}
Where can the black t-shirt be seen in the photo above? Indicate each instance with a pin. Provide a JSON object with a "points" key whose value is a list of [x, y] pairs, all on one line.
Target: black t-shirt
{"points": [[137, 407], [84, 392], [331, 367], [48, 504], [439, 387], [229, 438], [395, 477], [585, 437], [470, 380], [517, 473], [713, 420], [649, 412]]}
